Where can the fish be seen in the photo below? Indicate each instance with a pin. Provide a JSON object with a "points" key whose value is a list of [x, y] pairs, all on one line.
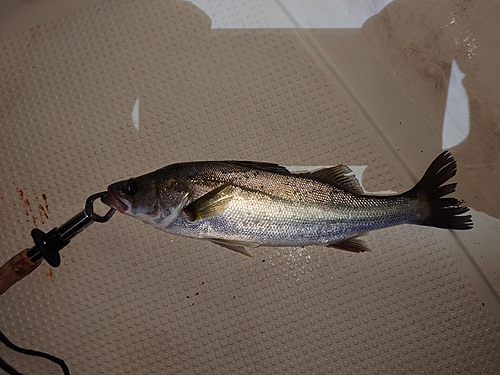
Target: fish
{"points": [[242, 205]]}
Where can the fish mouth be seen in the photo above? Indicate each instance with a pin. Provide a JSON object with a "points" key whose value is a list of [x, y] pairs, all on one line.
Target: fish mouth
{"points": [[112, 200]]}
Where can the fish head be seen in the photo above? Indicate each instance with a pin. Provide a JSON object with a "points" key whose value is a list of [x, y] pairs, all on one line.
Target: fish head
{"points": [[156, 201], [132, 197]]}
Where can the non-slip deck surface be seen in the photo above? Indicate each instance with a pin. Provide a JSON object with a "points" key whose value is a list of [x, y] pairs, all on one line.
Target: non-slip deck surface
{"points": [[128, 299]]}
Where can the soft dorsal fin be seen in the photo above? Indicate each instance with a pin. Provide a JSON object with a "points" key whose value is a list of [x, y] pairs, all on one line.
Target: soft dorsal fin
{"points": [[340, 176], [268, 167], [211, 204]]}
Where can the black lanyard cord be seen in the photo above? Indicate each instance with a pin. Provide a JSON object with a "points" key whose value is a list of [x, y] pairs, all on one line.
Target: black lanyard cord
{"points": [[11, 371]]}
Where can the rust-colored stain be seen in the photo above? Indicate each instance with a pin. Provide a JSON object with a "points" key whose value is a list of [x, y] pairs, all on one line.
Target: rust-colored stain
{"points": [[41, 215], [45, 200], [50, 274], [42, 212]]}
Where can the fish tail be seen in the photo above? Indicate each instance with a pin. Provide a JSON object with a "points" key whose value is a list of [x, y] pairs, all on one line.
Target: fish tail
{"points": [[441, 212]]}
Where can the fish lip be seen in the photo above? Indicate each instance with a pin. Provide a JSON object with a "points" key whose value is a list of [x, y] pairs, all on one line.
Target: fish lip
{"points": [[113, 201]]}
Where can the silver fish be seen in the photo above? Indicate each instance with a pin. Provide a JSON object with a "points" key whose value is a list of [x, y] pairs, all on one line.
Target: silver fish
{"points": [[241, 205]]}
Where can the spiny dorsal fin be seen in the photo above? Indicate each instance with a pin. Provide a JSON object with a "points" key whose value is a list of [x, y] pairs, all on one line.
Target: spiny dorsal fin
{"points": [[340, 176], [268, 167], [211, 204]]}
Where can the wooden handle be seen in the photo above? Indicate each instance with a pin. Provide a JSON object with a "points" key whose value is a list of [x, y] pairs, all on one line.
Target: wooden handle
{"points": [[15, 269]]}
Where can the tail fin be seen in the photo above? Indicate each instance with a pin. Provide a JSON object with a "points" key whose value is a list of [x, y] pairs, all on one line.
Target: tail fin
{"points": [[443, 212]]}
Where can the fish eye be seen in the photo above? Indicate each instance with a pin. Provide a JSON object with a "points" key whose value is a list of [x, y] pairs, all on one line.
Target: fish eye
{"points": [[131, 187]]}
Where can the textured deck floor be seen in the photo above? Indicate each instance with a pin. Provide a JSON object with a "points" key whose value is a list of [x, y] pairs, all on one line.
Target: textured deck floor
{"points": [[130, 299]]}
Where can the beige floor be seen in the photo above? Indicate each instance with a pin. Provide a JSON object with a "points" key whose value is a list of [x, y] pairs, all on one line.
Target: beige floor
{"points": [[93, 92]]}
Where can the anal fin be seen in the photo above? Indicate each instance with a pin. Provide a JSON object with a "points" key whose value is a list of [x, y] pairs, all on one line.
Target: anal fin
{"points": [[353, 245]]}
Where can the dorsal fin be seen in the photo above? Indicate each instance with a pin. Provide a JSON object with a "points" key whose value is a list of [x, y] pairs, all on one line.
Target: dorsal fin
{"points": [[268, 167], [340, 176]]}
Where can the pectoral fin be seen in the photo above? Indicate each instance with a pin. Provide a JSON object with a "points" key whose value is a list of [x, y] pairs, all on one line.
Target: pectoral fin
{"points": [[211, 204], [238, 246], [352, 244]]}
